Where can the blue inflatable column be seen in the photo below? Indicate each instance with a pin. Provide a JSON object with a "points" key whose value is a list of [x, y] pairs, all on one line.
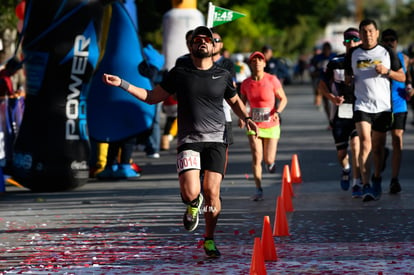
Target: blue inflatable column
{"points": [[60, 48]]}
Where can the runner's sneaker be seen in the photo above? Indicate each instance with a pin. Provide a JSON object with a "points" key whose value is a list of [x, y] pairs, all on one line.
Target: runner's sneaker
{"points": [[258, 196], [190, 219], [211, 249], [271, 168], [395, 186], [367, 194], [357, 190], [345, 179], [376, 187]]}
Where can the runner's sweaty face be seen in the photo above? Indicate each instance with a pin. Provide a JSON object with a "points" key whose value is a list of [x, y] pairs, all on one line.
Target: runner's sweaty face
{"points": [[218, 44], [369, 36], [202, 46], [257, 64]]}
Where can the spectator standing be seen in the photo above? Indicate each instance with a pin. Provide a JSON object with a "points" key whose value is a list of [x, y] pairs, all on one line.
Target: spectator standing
{"points": [[314, 76], [225, 52], [242, 70], [169, 108], [153, 142], [273, 65], [300, 68], [318, 65]]}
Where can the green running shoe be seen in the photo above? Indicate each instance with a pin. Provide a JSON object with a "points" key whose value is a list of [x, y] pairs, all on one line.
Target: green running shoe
{"points": [[190, 219], [211, 249]]}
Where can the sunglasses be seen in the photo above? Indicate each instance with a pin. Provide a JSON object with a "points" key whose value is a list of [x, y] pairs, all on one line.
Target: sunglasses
{"points": [[386, 40], [355, 39], [199, 39], [217, 40]]}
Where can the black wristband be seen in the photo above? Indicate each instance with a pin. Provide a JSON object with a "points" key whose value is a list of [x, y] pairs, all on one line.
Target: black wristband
{"points": [[247, 118], [124, 84]]}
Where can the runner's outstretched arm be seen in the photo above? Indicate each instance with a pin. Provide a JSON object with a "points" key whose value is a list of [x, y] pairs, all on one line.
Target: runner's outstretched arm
{"points": [[154, 96]]}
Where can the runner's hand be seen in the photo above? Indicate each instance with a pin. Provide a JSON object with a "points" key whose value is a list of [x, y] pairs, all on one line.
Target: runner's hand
{"points": [[112, 80]]}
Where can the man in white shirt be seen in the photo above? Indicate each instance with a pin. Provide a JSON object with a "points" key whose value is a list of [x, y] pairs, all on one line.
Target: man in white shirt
{"points": [[372, 67]]}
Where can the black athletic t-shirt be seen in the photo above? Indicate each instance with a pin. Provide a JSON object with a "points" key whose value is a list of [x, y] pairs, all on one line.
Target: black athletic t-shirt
{"points": [[200, 95]]}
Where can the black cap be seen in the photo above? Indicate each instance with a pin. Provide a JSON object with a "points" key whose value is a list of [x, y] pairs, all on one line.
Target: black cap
{"points": [[202, 30]]}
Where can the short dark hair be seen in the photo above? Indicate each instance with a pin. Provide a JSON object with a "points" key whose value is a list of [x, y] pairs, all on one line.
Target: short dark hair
{"points": [[389, 32], [266, 48], [327, 45], [367, 22]]}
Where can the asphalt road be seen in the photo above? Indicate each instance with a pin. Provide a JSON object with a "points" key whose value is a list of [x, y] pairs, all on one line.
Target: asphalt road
{"points": [[135, 227]]}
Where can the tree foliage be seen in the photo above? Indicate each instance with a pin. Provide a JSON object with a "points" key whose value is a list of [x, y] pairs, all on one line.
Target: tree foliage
{"points": [[8, 17], [402, 22], [289, 26]]}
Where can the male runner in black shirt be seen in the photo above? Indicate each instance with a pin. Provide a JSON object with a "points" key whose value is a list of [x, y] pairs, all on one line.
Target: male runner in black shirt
{"points": [[200, 88]]}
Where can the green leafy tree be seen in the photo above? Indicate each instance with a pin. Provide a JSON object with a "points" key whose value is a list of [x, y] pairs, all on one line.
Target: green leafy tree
{"points": [[402, 22], [8, 17]]}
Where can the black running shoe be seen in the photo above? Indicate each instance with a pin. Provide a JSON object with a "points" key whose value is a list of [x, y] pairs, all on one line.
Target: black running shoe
{"points": [[271, 168], [356, 190], [211, 249], [376, 187], [395, 186], [190, 219]]}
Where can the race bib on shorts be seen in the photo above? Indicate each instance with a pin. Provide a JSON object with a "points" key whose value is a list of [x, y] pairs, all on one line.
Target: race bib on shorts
{"points": [[345, 110], [261, 114], [188, 160]]}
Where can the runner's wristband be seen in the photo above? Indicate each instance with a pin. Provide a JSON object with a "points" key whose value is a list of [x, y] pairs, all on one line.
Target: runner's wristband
{"points": [[124, 84], [247, 118]]}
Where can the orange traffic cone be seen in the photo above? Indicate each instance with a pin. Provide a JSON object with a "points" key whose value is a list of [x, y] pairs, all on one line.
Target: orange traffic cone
{"points": [[281, 225], [287, 196], [295, 173], [286, 178], [13, 182], [268, 244], [286, 174], [257, 266]]}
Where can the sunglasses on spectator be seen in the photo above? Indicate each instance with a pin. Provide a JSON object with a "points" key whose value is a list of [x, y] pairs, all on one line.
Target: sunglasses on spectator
{"points": [[391, 39], [199, 39], [355, 39]]}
